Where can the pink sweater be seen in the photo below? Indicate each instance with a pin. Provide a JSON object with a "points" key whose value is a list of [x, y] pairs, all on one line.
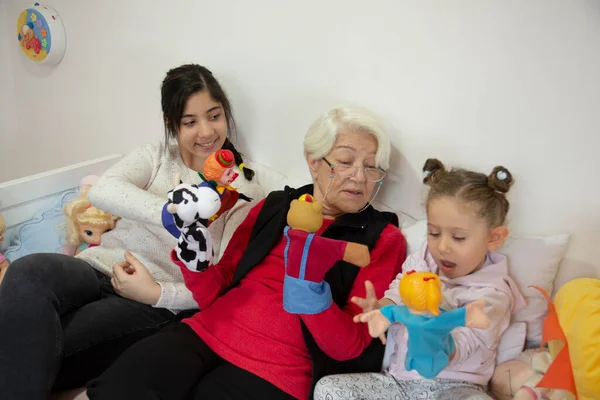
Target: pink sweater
{"points": [[475, 356]]}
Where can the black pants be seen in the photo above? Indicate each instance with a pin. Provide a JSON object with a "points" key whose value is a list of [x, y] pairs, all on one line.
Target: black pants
{"points": [[176, 364], [61, 324]]}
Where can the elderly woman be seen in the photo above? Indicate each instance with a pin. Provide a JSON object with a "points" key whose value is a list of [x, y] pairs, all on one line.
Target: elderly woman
{"points": [[244, 344]]}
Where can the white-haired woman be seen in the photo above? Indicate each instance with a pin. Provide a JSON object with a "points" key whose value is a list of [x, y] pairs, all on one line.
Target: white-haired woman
{"points": [[244, 344]]}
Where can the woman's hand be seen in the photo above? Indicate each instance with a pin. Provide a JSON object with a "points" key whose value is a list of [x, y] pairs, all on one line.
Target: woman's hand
{"points": [[132, 280], [369, 304]]}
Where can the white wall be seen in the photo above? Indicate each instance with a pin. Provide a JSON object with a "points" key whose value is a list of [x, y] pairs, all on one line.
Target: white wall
{"points": [[472, 82], [8, 109]]}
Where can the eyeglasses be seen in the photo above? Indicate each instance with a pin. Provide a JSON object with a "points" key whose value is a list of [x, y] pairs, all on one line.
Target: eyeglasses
{"points": [[346, 171]]}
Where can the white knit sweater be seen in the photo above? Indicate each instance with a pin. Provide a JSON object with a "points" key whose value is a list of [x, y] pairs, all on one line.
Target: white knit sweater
{"points": [[136, 190]]}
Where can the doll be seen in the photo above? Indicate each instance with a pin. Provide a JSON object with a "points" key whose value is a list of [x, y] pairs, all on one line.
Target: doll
{"points": [[191, 206], [430, 345], [518, 379], [218, 171], [85, 223], [3, 261], [308, 257]]}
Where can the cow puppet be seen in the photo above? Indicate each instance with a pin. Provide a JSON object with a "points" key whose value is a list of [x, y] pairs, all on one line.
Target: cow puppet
{"points": [[191, 207]]}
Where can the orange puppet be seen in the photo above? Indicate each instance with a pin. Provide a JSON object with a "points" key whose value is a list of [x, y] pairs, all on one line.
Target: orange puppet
{"points": [[218, 171]]}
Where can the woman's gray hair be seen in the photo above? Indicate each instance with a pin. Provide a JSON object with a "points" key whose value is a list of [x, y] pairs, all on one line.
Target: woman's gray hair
{"points": [[321, 135]]}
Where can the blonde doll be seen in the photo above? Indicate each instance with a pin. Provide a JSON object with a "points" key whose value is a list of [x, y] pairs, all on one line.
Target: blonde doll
{"points": [[85, 223], [3, 261]]}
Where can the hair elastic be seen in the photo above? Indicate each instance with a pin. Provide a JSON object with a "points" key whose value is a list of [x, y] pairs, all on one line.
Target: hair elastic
{"points": [[242, 166]]}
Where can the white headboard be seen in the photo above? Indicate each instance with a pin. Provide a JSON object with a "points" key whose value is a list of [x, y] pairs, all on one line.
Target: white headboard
{"points": [[21, 198]]}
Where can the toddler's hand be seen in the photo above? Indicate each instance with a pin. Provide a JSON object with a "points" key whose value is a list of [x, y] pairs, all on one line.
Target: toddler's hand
{"points": [[378, 324], [368, 304]]}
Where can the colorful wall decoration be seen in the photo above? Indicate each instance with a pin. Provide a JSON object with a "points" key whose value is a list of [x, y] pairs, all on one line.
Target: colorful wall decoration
{"points": [[41, 34]]}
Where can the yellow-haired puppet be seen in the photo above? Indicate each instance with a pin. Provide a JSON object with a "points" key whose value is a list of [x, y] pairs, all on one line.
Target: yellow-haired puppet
{"points": [[429, 346], [86, 223]]}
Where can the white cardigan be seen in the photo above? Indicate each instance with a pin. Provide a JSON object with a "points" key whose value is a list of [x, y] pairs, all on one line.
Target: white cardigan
{"points": [[136, 190]]}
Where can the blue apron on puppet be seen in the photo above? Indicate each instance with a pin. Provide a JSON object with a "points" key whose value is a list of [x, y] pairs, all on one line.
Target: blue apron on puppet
{"points": [[191, 206], [430, 345], [308, 256]]}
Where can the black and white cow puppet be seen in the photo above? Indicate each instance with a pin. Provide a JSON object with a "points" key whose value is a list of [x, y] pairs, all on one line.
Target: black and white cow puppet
{"points": [[191, 207]]}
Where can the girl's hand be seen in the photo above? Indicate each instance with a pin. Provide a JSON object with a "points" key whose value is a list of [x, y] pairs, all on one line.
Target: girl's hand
{"points": [[369, 304], [132, 280], [378, 324]]}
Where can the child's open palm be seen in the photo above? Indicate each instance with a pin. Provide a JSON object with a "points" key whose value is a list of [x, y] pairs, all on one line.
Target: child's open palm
{"points": [[377, 323], [369, 304]]}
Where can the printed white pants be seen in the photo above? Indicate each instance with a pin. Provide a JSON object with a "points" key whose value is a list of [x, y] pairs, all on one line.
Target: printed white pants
{"points": [[374, 386]]}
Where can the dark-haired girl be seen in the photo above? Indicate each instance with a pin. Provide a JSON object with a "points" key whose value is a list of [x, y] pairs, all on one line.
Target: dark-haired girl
{"points": [[65, 319]]}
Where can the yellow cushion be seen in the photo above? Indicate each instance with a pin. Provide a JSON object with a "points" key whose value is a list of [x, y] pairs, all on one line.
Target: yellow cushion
{"points": [[578, 307]]}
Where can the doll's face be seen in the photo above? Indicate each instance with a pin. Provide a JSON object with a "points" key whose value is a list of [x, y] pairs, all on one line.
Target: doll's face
{"points": [[228, 176], [91, 233]]}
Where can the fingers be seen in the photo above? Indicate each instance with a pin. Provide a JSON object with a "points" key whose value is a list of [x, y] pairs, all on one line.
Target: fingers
{"points": [[115, 285], [135, 265], [359, 301], [119, 272], [131, 258], [122, 264], [383, 339], [370, 289], [366, 317]]}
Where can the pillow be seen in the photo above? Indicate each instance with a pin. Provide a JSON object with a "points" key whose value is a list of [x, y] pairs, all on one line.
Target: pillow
{"points": [[415, 235], [512, 342], [268, 178], [42, 233], [297, 181], [532, 260], [577, 304]]}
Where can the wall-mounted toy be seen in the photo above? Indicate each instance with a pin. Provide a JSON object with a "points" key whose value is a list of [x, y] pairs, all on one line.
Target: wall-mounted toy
{"points": [[41, 34]]}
